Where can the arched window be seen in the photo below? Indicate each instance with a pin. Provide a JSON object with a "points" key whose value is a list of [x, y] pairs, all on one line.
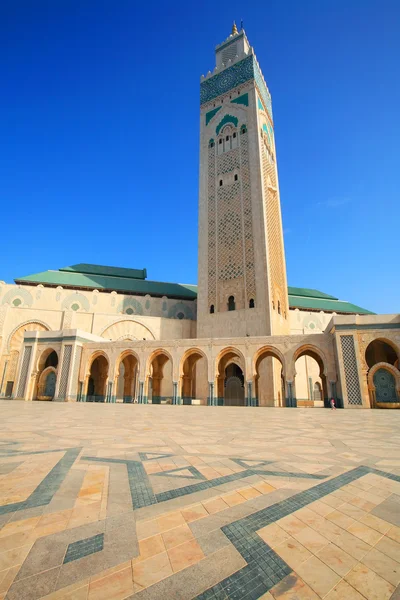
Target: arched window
{"points": [[251, 303], [211, 144], [279, 307], [317, 391], [220, 141], [212, 309], [220, 182], [231, 303], [243, 129], [236, 177]]}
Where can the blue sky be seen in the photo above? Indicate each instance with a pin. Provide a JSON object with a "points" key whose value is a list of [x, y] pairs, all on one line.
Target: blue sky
{"points": [[99, 135]]}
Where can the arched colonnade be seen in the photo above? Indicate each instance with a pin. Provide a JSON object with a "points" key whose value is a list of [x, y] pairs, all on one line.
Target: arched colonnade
{"points": [[205, 373]]}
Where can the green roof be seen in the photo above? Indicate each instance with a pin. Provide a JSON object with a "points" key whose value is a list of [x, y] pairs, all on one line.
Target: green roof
{"points": [[335, 305], [309, 293], [112, 271], [128, 281], [133, 281]]}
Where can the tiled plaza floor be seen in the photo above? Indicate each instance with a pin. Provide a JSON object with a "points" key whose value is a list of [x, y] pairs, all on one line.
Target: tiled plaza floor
{"points": [[112, 501]]}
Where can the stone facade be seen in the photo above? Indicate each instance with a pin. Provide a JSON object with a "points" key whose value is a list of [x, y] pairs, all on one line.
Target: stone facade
{"points": [[102, 338]]}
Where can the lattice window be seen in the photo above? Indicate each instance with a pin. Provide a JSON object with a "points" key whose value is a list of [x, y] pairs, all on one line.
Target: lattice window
{"points": [[229, 228], [24, 371], [62, 390], [247, 219], [212, 257], [350, 370], [273, 218]]}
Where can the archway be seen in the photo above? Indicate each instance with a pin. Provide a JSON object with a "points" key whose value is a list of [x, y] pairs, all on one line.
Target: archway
{"points": [[97, 381], [126, 377], [384, 386], [194, 378], [310, 379], [231, 378], [160, 385], [9, 362], [381, 351], [269, 378], [382, 358], [47, 375]]}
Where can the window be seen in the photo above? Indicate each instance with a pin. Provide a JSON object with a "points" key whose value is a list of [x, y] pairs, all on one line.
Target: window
{"points": [[211, 144], [236, 177], [251, 303], [180, 315], [231, 303], [234, 134], [129, 311], [227, 138], [220, 182], [17, 302], [212, 309], [220, 141], [243, 129], [279, 307], [75, 307]]}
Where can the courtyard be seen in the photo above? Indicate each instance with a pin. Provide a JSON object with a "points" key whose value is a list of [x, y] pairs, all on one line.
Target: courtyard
{"points": [[114, 501]]}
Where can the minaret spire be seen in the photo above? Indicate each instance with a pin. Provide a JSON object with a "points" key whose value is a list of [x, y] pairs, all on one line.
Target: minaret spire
{"points": [[234, 28]]}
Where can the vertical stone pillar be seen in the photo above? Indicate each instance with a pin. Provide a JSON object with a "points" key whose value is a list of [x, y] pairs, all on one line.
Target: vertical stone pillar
{"points": [[24, 372], [250, 400], [210, 399], [140, 393], [64, 373]]}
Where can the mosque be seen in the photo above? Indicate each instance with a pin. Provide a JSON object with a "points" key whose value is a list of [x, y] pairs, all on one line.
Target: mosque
{"points": [[241, 337]]}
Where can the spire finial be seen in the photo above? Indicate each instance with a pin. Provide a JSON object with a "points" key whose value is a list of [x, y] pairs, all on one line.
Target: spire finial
{"points": [[234, 29]]}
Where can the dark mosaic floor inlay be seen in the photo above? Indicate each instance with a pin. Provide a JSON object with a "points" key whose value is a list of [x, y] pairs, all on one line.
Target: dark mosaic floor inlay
{"points": [[48, 486], [264, 567], [84, 547], [143, 495]]}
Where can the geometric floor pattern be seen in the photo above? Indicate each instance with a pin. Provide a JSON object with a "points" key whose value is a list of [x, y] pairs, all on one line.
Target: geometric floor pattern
{"points": [[112, 501]]}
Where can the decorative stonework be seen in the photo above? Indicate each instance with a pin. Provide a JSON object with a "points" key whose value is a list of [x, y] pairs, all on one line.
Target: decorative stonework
{"points": [[76, 301], [18, 297], [351, 370]]}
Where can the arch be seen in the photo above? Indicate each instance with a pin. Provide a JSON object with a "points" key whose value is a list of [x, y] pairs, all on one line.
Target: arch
{"points": [[47, 384], [230, 368], [21, 328], [229, 350], [395, 373], [159, 377], [96, 386], [268, 351], [187, 354], [224, 121], [381, 350], [306, 378], [44, 357], [126, 375], [318, 395], [127, 327], [269, 376], [315, 353], [193, 376]]}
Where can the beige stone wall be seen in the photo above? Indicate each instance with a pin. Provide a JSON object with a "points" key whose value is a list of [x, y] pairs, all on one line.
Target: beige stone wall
{"points": [[100, 313]]}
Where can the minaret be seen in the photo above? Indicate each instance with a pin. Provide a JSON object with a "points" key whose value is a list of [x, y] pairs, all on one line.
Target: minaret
{"points": [[242, 288]]}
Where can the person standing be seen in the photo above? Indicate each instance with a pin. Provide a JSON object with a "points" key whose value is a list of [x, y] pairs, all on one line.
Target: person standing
{"points": [[333, 405]]}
